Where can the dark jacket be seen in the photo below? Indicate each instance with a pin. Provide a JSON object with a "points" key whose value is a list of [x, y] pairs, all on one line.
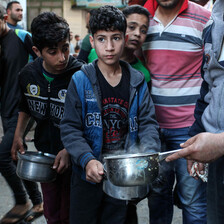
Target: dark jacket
{"points": [[81, 127], [44, 101]]}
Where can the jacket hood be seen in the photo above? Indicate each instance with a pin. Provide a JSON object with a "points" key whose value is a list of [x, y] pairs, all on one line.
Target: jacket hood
{"points": [[73, 66], [218, 26], [152, 5], [136, 77]]}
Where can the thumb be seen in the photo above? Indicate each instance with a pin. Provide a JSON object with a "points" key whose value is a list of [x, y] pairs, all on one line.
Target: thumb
{"points": [[190, 141], [56, 162]]}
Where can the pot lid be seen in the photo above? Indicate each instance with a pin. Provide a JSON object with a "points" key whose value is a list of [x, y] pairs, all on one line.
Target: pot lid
{"points": [[38, 157]]}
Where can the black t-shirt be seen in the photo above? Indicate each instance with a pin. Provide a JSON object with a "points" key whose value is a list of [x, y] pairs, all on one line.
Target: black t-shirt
{"points": [[115, 104]]}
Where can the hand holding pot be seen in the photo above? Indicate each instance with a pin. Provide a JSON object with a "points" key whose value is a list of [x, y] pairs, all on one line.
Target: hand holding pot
{"points": [[62, 161], [17, 146], [94, 171]]}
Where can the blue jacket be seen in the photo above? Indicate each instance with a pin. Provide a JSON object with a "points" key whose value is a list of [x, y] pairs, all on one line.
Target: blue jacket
{"points": [[82, 129]]}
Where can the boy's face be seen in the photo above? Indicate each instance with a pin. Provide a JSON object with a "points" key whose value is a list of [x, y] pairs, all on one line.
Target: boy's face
{"points": [[137, 27], [55, 59], [108, 45]]}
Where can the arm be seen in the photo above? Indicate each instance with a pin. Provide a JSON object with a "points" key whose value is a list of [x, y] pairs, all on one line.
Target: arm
{"points": [[73, 137], [204, 147], [17, 145], [148, 126]]}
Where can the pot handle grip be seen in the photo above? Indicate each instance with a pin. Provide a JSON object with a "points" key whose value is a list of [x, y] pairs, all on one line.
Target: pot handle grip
{"points": [[163, 155], [104, 172]]}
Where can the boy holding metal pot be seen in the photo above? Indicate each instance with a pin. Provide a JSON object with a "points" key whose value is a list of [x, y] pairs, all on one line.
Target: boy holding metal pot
{"points": [[44, 85], [107, 108]]}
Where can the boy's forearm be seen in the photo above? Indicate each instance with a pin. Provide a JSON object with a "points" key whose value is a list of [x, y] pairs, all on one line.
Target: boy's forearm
{"points": [[22, 122]]}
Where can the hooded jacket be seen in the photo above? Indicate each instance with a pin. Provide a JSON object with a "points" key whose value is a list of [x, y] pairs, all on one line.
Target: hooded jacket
{"points": [[44, 101], [210, 107], [81, 127]]}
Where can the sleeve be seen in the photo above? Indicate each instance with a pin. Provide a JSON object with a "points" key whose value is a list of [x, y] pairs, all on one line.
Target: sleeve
{"points": [[148, 125], [29, 44], [201, 105], [71, 127], [23, 105]]}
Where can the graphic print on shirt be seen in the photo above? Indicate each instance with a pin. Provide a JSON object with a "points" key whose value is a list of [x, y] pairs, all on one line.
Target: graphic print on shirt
{"points": [[38, 104], [115, 104], [115, 122]]}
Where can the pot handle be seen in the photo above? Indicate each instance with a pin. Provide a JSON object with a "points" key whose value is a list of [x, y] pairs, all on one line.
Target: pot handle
{"points": [[104, 172], [163, 155]]}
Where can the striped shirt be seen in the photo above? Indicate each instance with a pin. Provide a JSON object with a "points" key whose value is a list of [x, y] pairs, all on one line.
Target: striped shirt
{"points": [[174, 56]]}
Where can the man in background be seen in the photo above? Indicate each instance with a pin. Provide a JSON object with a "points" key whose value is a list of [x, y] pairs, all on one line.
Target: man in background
{"points": [[15, 14], [173, 52]]}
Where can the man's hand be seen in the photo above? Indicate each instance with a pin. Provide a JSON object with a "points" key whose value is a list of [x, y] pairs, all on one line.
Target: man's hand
{"points": [[62, 161], [204, 147], [94, 171], [17, 145]]}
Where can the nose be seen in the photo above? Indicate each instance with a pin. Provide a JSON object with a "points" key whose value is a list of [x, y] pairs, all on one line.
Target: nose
{"points": [[137, 32], [110, 45], [61, 56]]}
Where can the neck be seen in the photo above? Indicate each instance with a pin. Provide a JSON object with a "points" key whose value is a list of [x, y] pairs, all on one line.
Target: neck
{"points": [[165, 15], [11, 21], [128, 55], [109, 70]]}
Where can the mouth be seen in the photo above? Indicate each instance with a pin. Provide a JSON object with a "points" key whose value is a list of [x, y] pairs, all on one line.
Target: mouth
{"points": [[109, 56], [62, 66], [134, 42]]}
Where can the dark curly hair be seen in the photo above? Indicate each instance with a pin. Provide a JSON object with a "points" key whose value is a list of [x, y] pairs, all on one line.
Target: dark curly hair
{"points": [[107, 18], [48, 29], [138, 9]]}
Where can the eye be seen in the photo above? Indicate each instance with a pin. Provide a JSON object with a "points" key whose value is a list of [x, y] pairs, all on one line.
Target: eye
{"points": [[101, 39], [117, 38], [52, 52], [65, 49], [131, 27], [144, 31]]}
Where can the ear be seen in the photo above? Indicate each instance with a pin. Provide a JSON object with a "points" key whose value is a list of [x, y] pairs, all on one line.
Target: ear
{"points": [[36, 51], [5, 17], [91, 41]]}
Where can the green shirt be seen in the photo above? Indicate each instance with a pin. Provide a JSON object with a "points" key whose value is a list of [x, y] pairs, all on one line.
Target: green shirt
{"points": [[138, 65]]}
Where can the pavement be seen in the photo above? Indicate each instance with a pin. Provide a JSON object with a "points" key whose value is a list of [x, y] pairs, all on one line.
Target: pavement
{"points": [[6, 199]]}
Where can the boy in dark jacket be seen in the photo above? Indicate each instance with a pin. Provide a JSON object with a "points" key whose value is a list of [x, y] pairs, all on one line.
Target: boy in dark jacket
{"points": [[44, 85], [108, 108]]}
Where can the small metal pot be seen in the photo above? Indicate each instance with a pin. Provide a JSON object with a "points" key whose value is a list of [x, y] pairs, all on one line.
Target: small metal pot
{"points": [[36, 167], [134, 169]]}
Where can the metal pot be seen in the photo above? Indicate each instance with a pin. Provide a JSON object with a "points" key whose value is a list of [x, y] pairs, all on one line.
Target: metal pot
{"points": [[36, 166], [125, 193], [134, 169]]}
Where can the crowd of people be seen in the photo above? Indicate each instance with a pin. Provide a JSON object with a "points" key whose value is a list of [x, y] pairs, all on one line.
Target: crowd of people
{"points": [[147, 76]]}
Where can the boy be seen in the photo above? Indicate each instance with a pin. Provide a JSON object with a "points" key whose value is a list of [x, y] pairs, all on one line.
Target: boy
{"points": [[137, 25], [107, 109], [43, 84]]}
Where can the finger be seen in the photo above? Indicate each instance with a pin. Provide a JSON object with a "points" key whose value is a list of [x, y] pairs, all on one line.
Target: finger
{"points": [[56, 162], [201, 168]]}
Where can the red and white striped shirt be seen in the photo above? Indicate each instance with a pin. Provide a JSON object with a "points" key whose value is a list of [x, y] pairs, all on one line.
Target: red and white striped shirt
{"points": [[174, 56]]}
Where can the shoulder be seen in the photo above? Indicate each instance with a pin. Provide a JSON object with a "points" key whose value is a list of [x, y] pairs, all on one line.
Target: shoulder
{"points": [[22, 34], [198, 12], [31, 68]]}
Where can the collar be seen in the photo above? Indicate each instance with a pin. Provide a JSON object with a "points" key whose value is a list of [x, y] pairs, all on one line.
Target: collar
{"points": [[152, 5]]}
